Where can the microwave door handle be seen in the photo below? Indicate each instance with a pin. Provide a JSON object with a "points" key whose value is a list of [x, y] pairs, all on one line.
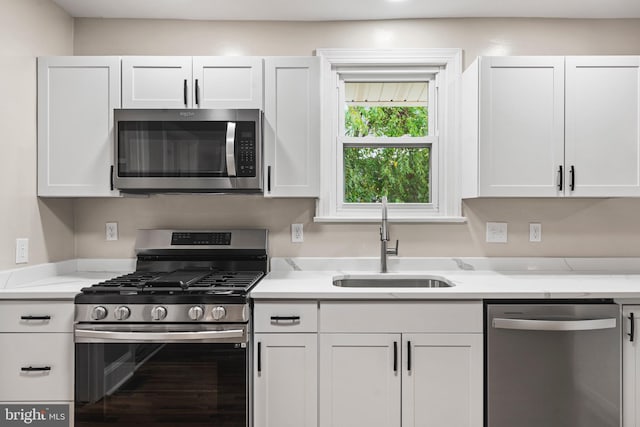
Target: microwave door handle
{"points": [[231, 149]]}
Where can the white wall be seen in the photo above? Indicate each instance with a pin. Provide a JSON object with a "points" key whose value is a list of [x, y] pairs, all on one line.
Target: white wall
{"points": [[28, 28], [586, 227]]}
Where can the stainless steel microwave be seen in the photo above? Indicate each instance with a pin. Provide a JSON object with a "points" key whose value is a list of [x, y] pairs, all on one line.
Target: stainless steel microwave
{"points": [[188, 151]]}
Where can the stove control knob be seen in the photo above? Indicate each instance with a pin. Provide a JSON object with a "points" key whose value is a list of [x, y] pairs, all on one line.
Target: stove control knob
{"points": [[196, 312], [158, 312], [218, 312], [122, 313], [98, 313]]}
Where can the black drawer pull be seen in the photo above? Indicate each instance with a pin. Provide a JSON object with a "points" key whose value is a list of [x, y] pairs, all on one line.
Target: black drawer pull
{"points": [[561, 176], [259, 357], [185, 92], [395, 356], [632, 329], [285, 318], [35, 317], [35, 368], [408, 355]]}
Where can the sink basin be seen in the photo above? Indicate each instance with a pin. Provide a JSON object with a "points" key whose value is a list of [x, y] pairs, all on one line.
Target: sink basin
{"points": [[391, 281]]}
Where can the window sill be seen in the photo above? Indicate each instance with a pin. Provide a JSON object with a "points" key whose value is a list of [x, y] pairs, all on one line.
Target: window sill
{"points": [[394, 219]]}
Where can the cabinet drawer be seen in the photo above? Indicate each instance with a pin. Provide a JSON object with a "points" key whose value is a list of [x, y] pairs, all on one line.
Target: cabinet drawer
{"points": [[36, 367], [405, 317], [36, 316], [286, 317]]}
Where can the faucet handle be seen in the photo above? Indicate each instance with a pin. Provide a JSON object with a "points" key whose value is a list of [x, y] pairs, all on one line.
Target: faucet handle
{"points": [[394, 251]]}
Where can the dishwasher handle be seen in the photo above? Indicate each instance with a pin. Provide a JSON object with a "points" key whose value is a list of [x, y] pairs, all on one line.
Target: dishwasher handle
{"points": [[554, 325]]}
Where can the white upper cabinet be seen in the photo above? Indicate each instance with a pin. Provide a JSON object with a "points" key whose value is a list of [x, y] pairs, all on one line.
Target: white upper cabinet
{"points": [[519, 130], [602, 145], [292, 126], [191, 82], [227, 82], [76, 98], [552, 126], [156, 82]]}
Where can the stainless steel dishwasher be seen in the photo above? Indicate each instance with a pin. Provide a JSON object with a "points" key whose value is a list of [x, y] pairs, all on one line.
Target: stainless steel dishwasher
{"points": [[553, 365]]}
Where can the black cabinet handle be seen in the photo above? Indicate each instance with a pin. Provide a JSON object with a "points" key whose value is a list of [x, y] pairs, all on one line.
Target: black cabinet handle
{"points": [[269, 179], [35, 317], [35, 368], [111, 177], [197, 93], [632, 329], [395, 356], [408, 355], [285, 318], [561, 175], [259, 357], [572, 171], [185, 92]]}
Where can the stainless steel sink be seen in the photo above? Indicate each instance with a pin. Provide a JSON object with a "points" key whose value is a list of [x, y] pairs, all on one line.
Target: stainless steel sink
{"points": [[391, 281]]}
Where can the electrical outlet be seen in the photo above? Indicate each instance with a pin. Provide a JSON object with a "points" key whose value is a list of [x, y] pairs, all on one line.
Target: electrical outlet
{"points": [[22, 251], [535, 232], [111, 229], [297, 233], [496, 232]]}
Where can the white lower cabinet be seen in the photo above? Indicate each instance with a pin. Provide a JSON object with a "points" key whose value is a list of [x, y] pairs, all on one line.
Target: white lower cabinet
{"points": [[424, 370], [631, 366], [37, 355], [285, 380], [442, 380], [368, 364], [285, 364], [360, 380]]}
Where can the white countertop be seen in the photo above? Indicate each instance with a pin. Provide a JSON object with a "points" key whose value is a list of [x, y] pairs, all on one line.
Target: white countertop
{"points": [[61, 280], [312, 278], [306, 278]]}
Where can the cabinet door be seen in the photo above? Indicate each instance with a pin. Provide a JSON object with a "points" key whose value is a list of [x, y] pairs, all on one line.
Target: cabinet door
{"points": [[285, 380], [442, 380], [602, 122], [156, 82], [76, 98], [36, 367], [521, 126], [227, 82], [631, 367], [292, 127], [360, 380]]}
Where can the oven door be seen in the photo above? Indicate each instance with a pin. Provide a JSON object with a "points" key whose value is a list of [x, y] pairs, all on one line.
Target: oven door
{"points": [[187, 150], [161, 375]]}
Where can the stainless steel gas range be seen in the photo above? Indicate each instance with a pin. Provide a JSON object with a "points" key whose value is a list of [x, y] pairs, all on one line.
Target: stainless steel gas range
{"points": [[169, 343]]}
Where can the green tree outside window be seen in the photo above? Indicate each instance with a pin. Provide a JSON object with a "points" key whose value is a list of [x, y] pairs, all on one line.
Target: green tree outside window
{"points": [[401, 173]]}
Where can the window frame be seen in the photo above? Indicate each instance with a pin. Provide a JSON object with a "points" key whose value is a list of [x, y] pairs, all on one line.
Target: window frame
{"points": [[446, 65]]}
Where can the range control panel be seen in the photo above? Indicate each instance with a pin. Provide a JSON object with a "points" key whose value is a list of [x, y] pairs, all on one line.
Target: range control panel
{"points": [[201, 238]]}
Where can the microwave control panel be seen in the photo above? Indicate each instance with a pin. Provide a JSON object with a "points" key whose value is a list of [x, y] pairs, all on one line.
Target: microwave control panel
{"points": [[246, 149]]}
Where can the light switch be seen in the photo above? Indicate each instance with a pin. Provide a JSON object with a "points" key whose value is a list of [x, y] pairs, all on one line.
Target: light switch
{"points": [[496, 232]]}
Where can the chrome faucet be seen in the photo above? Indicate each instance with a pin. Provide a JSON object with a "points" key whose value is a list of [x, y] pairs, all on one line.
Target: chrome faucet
{"points": [[384, 239]]}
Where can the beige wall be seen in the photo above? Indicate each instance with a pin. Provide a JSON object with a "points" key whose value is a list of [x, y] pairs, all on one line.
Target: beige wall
{"points": [[587, 227], [28, 28]]}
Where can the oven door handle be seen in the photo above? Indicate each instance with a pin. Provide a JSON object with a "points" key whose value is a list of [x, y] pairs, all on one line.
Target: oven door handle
{"points": [[231, 149], [90, 335], [554, 325]]}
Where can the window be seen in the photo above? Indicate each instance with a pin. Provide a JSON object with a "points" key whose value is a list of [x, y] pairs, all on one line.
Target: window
{"points": [[384, 136]]}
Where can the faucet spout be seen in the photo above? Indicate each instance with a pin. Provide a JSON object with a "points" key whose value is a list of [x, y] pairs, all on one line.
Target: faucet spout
{"points": [[384, 238]]}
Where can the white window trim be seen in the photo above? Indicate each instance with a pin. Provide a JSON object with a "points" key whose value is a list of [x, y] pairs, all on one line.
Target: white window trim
{"points": [[447, 188]]}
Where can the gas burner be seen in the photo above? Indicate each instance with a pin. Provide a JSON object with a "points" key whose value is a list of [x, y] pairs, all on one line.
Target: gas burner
{"points": [[190, 273]]}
